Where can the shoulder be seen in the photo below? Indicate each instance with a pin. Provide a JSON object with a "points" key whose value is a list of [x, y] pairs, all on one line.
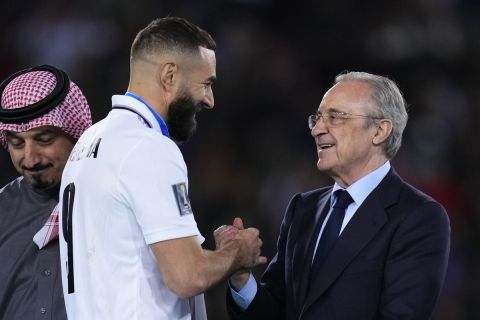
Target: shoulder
{"points": [[11, 188], [412, 197], [423, 202], [309, 198], [121, 130], [313, 195], [417, 205], [124, 140], [152, 155], [304, 201], [157, 146], [12, 197], [394, 190]]}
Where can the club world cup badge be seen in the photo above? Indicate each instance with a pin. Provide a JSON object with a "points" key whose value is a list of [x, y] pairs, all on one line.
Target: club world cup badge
{"points": [[181, 195]]}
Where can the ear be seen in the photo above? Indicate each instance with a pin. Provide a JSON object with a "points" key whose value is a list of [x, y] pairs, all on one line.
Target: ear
{"points": [[167, 75], [383, 130]]}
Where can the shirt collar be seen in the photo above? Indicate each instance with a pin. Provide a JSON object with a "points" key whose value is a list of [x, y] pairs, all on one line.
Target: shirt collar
{"points": [[360, 190], [138, 106]]}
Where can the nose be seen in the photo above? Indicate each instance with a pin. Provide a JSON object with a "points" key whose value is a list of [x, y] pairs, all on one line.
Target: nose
{"points": [[209, 100], [319, 128], [31, 155]]}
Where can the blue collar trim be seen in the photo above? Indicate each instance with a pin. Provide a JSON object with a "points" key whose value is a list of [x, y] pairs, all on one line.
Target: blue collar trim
{"points": [[161, 122]]}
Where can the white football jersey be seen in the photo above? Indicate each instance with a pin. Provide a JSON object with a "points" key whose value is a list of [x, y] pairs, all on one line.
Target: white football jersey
{"points": [[124, 187]]}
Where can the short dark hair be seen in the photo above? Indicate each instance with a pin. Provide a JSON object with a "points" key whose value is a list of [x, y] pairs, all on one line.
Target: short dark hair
{"points": [[170, 34]]}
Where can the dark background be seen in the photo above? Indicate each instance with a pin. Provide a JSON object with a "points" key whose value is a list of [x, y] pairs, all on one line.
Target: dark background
{"points": [[275, 60]]}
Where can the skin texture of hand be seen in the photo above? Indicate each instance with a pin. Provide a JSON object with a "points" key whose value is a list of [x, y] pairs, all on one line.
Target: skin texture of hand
{"points": [[227, 233], [188, 269]]}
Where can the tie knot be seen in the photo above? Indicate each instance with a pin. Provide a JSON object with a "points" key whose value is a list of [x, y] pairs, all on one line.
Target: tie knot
{"points": [[343, 199]]}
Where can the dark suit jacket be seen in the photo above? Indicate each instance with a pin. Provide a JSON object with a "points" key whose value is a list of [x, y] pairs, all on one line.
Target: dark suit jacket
{"points": [[388, 263]]}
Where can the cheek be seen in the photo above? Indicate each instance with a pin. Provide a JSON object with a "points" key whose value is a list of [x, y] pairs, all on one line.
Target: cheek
{"points": [[61, 159], [16, 157], [58, 154], [350, 145], [198, 97]]}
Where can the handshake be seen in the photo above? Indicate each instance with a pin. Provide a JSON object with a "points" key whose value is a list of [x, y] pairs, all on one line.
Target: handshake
{"points": [[247, 244]]}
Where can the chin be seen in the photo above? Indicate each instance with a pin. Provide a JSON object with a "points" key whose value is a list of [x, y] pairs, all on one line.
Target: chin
{"points": [[40, 182], [322, 166]]}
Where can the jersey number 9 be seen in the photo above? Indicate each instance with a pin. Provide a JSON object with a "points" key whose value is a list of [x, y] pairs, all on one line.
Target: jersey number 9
{"points": [[67, 211]]}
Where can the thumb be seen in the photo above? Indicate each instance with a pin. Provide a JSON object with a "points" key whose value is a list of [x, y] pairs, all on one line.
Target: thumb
{"points": [[238, 223]]}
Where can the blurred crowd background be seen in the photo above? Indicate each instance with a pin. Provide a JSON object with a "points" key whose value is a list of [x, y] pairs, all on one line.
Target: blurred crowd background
{"points": [[275, 60]]}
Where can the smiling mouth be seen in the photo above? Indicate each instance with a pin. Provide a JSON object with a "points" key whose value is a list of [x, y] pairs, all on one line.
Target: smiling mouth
{"points": [[325, 146], [35, 172]]}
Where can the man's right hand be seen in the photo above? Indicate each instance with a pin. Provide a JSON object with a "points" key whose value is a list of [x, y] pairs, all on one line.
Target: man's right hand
{"points": [[249, 252]]}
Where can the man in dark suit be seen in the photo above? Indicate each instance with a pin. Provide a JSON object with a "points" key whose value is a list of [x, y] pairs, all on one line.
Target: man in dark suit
{"points": [[370, 246]]}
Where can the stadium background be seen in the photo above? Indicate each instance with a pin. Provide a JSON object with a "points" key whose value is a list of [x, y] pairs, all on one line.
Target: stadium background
{"points": [[275, 60]]}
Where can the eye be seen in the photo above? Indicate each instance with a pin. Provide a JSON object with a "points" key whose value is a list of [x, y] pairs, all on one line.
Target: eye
{"points": [[336, 118], [45, 140], [15, 143], [333, 117]]}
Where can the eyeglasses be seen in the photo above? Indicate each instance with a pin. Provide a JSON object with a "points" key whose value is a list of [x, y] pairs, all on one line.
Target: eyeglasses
{"points": [[334, 118]]}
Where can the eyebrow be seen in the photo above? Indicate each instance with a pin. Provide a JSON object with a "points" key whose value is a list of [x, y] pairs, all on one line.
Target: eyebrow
{"points": [[11, 134], [333, 109], [211, 79]]}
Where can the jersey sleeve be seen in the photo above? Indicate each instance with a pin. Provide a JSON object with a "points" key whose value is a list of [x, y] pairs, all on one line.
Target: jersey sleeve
{"points": [[153, 182]]}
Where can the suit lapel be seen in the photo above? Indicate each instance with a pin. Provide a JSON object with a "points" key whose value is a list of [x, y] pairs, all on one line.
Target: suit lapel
{"points": [[367, 221], [302, 256]]}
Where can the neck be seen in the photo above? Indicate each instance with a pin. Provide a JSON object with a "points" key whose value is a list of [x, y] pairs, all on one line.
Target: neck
{"points": [[154, 100], [51, 192], [349, 176]]}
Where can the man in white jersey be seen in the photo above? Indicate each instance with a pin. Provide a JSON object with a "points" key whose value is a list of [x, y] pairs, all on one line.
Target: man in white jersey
{"points": [[130, 247]]}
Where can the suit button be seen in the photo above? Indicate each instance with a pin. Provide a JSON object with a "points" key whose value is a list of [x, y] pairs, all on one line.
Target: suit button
{"points": [[43, 310], [47, 272]]}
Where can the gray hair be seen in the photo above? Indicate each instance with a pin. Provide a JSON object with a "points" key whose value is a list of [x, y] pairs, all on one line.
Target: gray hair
{"points": [[388, 103]]}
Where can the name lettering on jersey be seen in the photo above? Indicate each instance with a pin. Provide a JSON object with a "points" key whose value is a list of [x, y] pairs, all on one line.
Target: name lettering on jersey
{"points": [[181, 195], [82, 151]]}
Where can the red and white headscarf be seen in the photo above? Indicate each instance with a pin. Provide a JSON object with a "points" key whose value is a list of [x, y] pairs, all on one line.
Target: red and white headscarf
{"points": [[72, 115]]}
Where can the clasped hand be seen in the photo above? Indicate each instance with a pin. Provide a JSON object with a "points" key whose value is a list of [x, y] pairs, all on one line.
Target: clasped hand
{"points": [[249, 253]]}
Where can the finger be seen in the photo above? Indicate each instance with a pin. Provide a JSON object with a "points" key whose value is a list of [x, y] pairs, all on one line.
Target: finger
{"points": [[225, 236], [224, 229], [254, 231], [238, 223], [219, 229], [229, 234]]}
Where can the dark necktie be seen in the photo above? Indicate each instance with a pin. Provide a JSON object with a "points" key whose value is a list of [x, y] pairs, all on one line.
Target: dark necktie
{"points": [[331, 231]]}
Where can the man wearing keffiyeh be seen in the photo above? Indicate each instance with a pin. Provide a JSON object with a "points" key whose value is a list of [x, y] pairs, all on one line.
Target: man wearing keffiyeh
{"points": [[42, 114]]}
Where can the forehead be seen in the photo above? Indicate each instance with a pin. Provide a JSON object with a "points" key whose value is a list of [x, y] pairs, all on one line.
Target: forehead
{"points": [[35, 132], [347, 96], [208, 56], [207, 63]]}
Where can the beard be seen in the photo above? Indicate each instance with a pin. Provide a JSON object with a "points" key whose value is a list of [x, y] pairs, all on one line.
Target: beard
{"points": [[42, 184], [181, 117], [39, 183]]}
